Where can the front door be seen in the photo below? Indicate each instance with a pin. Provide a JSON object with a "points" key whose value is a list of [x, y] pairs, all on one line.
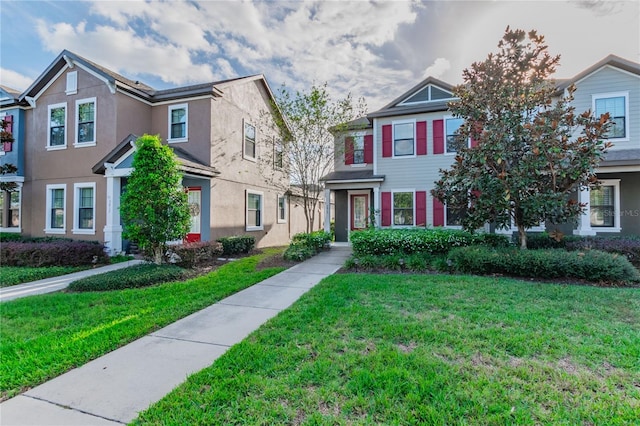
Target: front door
{"points": [[195, 206], [359, 211]]}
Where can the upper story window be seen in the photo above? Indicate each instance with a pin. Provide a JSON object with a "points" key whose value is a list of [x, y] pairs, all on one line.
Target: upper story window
{"points": [[72, 83], [278, 155], [249, 141], [616, 104], [86, 122], [358, 149], [57, 136], [403, 139], [403, 208], [453, 141], [178, 127]]}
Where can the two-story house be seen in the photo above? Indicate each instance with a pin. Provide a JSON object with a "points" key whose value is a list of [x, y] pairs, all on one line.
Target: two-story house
{"points": [[80, 123], [402, 146]]}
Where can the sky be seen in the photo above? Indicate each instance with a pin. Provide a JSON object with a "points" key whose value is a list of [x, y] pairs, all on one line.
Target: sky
{"points": [[371, 49]]}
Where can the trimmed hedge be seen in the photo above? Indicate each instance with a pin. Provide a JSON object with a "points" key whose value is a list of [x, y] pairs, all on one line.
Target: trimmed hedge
{"points": [[304, 246], [197, 253], [408, 241], [136, 276], [590, 265], [416, 262], [59, 253], [237, 244]]}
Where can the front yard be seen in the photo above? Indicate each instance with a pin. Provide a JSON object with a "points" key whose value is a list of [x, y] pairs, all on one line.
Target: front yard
{"points": [[427, 349]]}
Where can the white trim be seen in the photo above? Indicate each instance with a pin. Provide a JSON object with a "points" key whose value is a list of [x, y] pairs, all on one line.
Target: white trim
{"points": [[95, 124], [393, 138], [286, 203], [32, 99], [603, 67], [625, 95], [170, 109], [413, 204], [76, 205], [246, 123], [615, 183], [49, 108], [48, 229], [72, 80], [428, 86], [246, 210]]}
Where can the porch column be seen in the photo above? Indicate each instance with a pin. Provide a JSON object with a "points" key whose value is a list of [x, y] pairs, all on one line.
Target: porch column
{"points": [[376, 205], [584, 221], [327, 210], [113, 229]]}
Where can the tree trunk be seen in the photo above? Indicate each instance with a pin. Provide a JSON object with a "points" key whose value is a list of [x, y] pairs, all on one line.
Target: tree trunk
{"points": [[522, 237], [157, 255]]}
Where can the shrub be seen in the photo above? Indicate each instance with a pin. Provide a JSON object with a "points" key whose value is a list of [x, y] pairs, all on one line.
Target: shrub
{"points": [[237, 244], [298, 252], [304, 246], [132, 277], [7, 237], [590, 265], [197, 253], [61, 253], [416, 262], [626, 246], [427, 241]]}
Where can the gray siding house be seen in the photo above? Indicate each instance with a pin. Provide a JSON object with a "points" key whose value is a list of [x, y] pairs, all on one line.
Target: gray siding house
{"points": [[410, 142]]}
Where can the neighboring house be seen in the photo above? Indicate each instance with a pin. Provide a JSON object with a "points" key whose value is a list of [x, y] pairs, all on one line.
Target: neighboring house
{"points": [[390, 160], [12, 113], [81, 120]]}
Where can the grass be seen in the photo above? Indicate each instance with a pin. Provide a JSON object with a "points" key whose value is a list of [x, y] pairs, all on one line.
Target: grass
{"points": [[12, 275], [426, 349], [45, 336]]}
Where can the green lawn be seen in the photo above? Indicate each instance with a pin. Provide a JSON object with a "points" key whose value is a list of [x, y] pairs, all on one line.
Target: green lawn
{"points": [[45, 336], [12, 275], [427, 349]]}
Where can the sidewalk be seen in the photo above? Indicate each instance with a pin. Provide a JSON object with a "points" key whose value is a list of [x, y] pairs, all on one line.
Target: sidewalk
{"points": [[113, 389], [49, 285]]}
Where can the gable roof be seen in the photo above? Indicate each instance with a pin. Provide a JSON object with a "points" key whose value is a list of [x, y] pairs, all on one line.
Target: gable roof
{"points": [[611, 60], [396, 107], [9, 96]]}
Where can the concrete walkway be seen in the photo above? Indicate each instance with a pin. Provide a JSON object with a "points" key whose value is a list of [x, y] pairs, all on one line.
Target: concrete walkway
{"points": [[49, 285], [113, 389]]}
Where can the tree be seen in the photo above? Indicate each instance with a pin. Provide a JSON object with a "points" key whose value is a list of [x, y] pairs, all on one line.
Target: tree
{"points": [[154, 207], [305, 124], [6, 169], [530, 154]]}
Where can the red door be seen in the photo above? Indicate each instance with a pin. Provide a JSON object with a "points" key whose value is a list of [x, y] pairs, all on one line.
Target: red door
{"points": [[194, 194], [359, 211]]}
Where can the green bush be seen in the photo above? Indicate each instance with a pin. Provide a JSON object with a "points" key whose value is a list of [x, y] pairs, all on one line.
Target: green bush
{"points": [[6, 237], [304, 246], [408, 241], [298, 252], [237, 244], [590, 265], [131, 277], [197, 253], [416, 262], [60, 253]]}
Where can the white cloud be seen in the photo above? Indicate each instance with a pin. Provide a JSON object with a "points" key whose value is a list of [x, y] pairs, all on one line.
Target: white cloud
{"points": [[438, 68], [14, 80]]}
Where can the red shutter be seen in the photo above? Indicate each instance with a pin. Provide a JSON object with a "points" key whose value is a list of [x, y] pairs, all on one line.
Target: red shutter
{"points": [[387, 140], [438, 136], [421, 137], [438, 213], [368, 149], [348, 150], [474, 143], [421, 208], [386, 209], [8, 119]]}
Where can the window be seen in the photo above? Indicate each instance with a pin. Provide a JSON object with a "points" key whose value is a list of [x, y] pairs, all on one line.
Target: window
{"points": [[403, 208], [55, 213], [249, 141], [358, 149], [282, 209], [454, 141], [403, 139], [178, 129], [85, 122], [57, 137], [84, 210], [617, 106], [10, 210], [452, 217], [278, 156], [254, 211], [604, 205]]}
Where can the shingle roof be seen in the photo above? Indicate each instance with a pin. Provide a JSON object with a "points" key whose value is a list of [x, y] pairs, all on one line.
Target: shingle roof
{"points": [[349, 176]]}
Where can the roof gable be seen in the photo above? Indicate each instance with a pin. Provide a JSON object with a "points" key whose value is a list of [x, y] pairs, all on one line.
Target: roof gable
{"points": [[613, 61]]}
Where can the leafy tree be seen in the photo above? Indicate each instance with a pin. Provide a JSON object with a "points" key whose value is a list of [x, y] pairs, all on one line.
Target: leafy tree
{"points": [[532, 153], [6, 169], [154, 206], [305, 127]]}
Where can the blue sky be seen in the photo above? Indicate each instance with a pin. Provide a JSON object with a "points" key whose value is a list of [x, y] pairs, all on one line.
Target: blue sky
{"points": [[376, 50]]}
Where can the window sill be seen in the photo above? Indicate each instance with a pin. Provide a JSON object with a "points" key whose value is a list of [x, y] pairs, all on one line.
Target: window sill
{"points": [[254, 228], [252, 159], [180, 140], [599, 229], [282, 221], [399, 157], [84, 144], [11, 230], [55, 231], [84, 231], [359, 165], [56, 148]]}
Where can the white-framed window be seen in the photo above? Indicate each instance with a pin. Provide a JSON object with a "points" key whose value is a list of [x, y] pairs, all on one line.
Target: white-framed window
{"points": [[278, 155], [452, 218], [55, 213], [86, 122], [10, 210], [604, 206], [84, 202], [358, 148], [249, 138], [57, 126], [178, 123], [403, 208], [404, 139], [72, 83], [452, 140], [255, 209], [617, 105], [282, 209]]}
